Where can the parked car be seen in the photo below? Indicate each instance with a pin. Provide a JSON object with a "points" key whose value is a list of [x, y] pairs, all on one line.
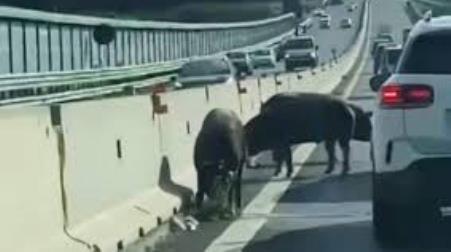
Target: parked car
{"points": [[324, 22], [263, 58], [241, 61], [411, 141], [346, 23], [206, 72], [300, 51], [389, 58]]}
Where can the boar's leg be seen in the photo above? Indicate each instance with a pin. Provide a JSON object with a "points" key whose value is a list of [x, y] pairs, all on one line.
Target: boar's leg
{"points": [[277, 155], [344, 145], [330, 148], [288, 159], [200, 189], [238, 187]]}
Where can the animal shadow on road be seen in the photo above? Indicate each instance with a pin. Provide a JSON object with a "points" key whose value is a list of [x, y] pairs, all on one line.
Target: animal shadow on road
{"points": [[166, 183]]}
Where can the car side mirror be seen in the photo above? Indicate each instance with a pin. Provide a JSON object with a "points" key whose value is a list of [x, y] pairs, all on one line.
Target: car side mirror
{"points": [[377, 81], [316, 47]]}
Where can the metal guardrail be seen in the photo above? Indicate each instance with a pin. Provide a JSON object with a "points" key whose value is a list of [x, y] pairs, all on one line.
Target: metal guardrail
{"points": [[35, 41], [438, 7], [48, 54]]}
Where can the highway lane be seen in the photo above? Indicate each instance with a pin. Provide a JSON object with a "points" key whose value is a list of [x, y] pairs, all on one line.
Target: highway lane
{"points": [[254, 180], [321, 213], [333, 38]]}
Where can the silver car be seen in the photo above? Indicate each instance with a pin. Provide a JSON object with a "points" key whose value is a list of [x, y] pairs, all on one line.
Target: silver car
{"points": [[263, 58], [206, 72]]}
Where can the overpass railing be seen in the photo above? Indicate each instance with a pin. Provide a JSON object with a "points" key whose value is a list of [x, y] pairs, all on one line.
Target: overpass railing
{"points": [[41, 42], [50, 57]]}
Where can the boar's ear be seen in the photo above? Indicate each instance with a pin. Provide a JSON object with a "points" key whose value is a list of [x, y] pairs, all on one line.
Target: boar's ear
{"points": [[369, 114]]}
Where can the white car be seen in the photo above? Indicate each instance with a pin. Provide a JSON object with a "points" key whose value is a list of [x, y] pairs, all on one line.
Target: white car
{"points": [[411, 141], [263, 58], [300, 51], [318, 13], [204, 72], [346, 23], [324, 22]]}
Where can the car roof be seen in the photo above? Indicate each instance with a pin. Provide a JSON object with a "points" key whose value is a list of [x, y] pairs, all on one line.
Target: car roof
{"points": [[203, 59], [433, 25]]}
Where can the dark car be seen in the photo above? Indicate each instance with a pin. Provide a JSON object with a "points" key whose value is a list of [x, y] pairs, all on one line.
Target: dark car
{"points": [[380, 39], [240, 61], [203, 72]]}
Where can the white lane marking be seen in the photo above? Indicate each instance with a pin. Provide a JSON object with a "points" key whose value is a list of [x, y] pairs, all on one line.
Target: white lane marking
{"points": [[241, 231]]}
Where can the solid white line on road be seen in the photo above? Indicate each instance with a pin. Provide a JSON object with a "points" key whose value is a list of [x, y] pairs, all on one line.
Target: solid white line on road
{"points": [[240, 232]]}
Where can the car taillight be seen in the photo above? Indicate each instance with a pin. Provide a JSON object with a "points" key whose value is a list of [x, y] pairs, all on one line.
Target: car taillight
{"points": [[406, 96]]}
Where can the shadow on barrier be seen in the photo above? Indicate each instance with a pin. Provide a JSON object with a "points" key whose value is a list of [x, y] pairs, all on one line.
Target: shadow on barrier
{"points": [[166, 183]]}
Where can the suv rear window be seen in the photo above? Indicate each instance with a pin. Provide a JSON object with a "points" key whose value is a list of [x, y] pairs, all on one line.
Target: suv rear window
{"points": [[428, 54]]}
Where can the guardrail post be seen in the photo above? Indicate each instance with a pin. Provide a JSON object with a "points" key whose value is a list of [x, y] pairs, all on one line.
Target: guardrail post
{"points": [[38, 48], [24, 47], [10, 47]]}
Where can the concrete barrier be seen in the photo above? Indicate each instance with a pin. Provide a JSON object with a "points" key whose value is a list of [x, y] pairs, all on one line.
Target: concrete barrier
{"points": [[117, 168], [32, 214]]}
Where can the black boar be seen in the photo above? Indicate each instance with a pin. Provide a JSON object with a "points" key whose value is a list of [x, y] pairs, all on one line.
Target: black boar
{"points": [[294, 118], [219, 157]]}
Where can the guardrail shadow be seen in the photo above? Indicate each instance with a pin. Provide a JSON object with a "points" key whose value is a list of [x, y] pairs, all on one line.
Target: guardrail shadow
{"points": [[166, 183]]}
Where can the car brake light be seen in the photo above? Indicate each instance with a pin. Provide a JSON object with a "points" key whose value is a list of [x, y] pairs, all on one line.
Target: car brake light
{"points": [[406, 96]]}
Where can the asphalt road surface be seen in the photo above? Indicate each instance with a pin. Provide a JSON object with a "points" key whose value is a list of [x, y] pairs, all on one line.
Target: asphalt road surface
{"points": [[334, 37], [313, 212]]}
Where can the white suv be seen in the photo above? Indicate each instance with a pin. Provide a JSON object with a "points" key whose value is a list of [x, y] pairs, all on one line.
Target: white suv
{"points": [[411, 142]]}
